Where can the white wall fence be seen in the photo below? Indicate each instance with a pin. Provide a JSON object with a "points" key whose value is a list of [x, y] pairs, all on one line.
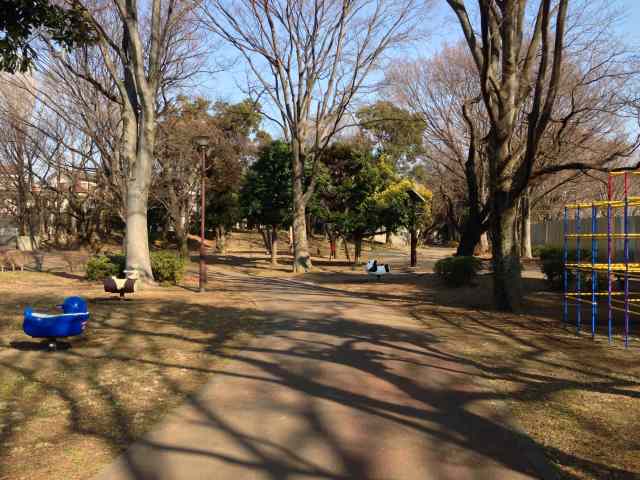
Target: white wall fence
{"points": [[551, 233], [8, 231]]}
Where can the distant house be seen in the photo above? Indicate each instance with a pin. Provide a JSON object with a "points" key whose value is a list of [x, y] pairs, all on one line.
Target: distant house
{"points": [[67, 184], [8, 179]]}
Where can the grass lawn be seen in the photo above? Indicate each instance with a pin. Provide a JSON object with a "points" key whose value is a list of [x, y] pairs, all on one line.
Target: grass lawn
{"points": [[65, 414]]}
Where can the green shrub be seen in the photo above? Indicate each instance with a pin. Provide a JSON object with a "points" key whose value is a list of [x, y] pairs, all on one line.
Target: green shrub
{"points": [[458, 271], [167, 266], [552, 264], [120, 261], [101, 266], [537, 249]]}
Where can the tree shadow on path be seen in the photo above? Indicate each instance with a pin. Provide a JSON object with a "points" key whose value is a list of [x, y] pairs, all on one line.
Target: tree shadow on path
{"points": [[329, 393]]}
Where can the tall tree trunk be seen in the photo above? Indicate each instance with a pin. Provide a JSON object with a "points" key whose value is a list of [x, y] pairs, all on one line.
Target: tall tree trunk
{"points": [[346, 249], [138, 87], [181, 237], [301, 257], [484, 243], [138, 183], [414, 246], [357, 249], [221, 239], [137, 234], [73, 227], [291, 240], [266, 239], [503, 61], [330, 234], [309, 222], [525, 226], [507, 282], [274, 245], [471, 234]]}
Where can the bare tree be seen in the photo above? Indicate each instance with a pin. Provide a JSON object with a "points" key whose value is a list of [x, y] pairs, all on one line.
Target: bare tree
{"points": [[54, 187], [520, 69], [445, 92], [589, 124], [16, 159], [141, 52], [310, 59]]}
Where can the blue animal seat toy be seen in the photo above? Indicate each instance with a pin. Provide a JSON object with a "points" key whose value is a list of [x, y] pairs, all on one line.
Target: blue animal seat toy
{"points": [[70, 323]]}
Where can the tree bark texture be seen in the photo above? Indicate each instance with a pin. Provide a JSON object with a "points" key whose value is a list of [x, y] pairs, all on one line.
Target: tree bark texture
{"points": [[346, 249], [471, 235], [266, 240], [507, 282], [525, 225], [474, 226], [357, 249], [414, 247], [484, 245], [221, 239], [301, 257], [183, 242], [274, 245], [138, 183]]}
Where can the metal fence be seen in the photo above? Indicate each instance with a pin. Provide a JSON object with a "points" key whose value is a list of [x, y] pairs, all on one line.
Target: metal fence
{"points": [[8, 231], [551, 233]]}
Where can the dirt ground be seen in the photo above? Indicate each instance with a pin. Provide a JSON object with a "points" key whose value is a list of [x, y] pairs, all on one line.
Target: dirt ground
{"points": [[65, 414], [577, 397]]}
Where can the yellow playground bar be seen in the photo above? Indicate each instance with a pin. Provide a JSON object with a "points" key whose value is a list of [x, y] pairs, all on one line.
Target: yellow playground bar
{"points": [[583, 277]]}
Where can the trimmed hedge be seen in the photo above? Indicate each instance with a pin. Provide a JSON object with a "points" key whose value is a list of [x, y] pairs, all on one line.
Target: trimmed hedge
{"points": [[552, 264], [102, 266], [167, 266], [458, 271]]}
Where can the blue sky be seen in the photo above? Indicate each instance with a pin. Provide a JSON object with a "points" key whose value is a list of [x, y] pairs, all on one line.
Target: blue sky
{"points": [[631, 24], [224, 85]]}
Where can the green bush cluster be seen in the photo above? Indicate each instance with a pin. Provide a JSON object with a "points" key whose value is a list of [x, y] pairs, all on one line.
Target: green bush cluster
{"points": [[101, 266], [458, 271], [167, 266], [552, 264]]}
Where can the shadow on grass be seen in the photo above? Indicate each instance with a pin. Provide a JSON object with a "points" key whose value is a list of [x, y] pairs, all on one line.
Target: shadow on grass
{"points": [[239, 261], [67, 275], [158, 344], [41, 346]]}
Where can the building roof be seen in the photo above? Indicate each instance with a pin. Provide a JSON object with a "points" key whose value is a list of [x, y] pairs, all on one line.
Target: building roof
{"points": [[415, 196]]}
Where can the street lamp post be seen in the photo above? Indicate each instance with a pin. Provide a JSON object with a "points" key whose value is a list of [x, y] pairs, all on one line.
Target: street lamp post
{"points": [[202, 142]]}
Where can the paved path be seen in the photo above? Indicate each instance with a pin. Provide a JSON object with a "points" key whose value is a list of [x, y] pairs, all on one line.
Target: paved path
{"points": [[338, 386]]}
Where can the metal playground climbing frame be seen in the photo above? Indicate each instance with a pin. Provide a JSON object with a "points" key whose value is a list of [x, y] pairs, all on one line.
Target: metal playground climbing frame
{"points": [[617, 273]]}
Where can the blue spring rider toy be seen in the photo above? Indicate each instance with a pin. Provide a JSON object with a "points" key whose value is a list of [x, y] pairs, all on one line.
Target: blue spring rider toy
{"points": [[70, 323]]}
